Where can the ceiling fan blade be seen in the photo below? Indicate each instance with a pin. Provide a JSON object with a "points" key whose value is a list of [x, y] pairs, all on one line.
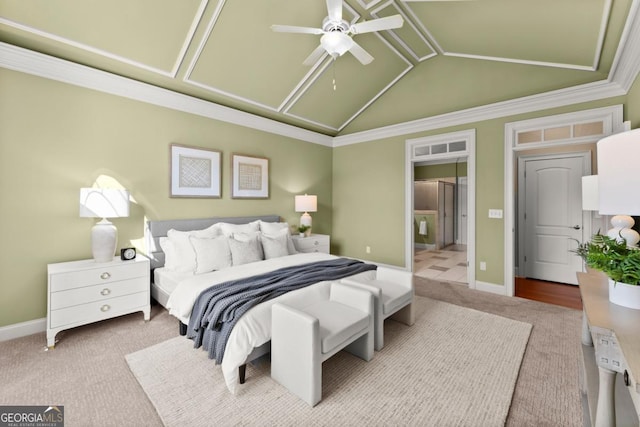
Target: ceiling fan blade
{"points": [[379, 24], [315, 56], [335, 10], [361, 55], [294, 29]]}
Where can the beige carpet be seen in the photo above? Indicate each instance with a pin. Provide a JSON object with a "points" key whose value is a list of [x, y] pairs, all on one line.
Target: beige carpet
{"points": [[454, 367]]}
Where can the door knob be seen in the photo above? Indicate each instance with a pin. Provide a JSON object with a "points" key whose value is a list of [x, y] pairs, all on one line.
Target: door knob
{"points": [[576, 227]]}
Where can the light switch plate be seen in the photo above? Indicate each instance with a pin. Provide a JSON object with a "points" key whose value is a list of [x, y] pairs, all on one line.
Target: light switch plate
{"points": [[495, 213]]}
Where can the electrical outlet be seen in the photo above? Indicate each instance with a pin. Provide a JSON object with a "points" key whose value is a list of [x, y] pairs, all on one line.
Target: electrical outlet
{"points": [[368, 249], [483, 266]]}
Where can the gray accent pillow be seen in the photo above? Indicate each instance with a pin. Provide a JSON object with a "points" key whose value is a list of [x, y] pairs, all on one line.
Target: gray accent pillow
{"points": [[244, 252], [277, 228], [274, 246]]}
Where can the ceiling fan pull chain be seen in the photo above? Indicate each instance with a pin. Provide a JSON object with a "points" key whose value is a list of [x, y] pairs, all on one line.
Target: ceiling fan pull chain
{"points": [[333, 67]]}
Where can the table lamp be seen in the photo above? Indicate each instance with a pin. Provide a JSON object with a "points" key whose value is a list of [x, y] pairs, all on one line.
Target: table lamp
{"points": [[306, 204], [104, 203], [619, 181]]}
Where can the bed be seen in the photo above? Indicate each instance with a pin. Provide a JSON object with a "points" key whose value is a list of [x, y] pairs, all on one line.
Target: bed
{"points": [[178, 290]]}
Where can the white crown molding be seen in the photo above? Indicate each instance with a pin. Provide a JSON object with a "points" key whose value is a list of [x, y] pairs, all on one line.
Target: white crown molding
{"points": [[574, 95], [594, 65], [623, 73], [626, 63], [87, 48], [37, 64], [398, 39]]}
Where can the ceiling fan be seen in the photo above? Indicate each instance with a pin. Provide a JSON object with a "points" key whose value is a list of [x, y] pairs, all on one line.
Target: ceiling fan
{"points": [[336, 33]]}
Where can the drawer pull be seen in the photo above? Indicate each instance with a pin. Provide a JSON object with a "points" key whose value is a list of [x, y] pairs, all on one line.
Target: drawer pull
{"points": [[105, 308], [105, 275], [105, 292], [316, 243]]}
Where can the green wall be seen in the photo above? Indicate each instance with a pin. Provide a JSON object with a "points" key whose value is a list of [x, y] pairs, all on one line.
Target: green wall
{"points": [[56, 138], [368, 201]]}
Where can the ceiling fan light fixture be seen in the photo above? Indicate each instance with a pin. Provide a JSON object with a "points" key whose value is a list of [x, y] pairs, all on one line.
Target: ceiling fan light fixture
{"points": [[336, 43]]}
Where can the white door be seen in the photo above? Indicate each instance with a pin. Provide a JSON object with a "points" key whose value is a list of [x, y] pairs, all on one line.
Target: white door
{"points": [[553, 218], [462, 210]]}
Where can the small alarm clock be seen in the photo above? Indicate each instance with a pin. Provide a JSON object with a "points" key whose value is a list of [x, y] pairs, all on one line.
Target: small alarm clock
{"points": [[127, 254]]}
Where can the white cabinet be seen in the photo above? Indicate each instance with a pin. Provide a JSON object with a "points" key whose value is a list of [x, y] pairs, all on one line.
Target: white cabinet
{"points": [[312, 243], [81, 292]]}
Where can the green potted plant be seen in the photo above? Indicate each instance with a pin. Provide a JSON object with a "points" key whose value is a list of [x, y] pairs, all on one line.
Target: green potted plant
{"points": [[302, 229], [619, 262]]}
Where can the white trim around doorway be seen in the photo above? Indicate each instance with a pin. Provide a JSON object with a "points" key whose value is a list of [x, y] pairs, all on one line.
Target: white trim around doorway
{"points": [[454, 141], [612, 122]]}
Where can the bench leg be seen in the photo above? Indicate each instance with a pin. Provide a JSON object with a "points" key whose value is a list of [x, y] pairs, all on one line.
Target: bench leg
{"points": [[405, 315]]}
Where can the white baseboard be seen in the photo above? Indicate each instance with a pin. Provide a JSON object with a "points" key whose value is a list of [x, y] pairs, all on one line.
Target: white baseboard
{"points": [[18, 330], [491, 287]]}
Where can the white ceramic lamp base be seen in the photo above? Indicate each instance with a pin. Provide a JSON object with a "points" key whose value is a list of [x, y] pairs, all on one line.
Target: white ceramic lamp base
{"points": [[622, 230], [305, 219], [104, 239]]}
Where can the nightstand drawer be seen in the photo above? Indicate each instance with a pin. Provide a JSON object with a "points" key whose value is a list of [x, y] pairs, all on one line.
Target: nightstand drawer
{"points": [[99, 275], [310, 244], [319, 248], [99, 310], [100, 292]]}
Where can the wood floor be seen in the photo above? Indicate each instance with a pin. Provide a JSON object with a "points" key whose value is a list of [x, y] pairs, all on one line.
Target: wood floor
{"points": [[549, 292]]}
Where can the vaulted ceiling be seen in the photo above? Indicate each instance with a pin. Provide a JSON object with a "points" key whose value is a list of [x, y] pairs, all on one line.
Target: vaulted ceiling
{"points": [[448, 55]]}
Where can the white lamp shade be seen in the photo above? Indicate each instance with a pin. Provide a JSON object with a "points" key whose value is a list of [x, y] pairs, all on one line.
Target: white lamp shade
{"points": [[306, 203], [590, 197], [104, 203], [619, 174]]}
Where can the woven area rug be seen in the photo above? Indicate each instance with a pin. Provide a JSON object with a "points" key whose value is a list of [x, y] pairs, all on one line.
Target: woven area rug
{"points": [[454, 367]]}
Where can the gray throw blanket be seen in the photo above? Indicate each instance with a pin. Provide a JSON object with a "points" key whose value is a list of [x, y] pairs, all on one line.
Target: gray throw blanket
{"points": [[218, 308]]}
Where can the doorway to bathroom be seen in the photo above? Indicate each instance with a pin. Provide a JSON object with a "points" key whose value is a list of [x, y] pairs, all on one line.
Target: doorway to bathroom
{"points": [[440, 215], [440, 232]]}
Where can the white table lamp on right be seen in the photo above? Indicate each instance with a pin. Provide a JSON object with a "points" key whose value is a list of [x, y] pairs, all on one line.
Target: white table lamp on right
{"points": [[306, 204], [619, 181]]}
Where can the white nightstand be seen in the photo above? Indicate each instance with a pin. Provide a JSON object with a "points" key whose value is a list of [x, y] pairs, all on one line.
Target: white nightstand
{"points": [[81, 292], [312, 243]]}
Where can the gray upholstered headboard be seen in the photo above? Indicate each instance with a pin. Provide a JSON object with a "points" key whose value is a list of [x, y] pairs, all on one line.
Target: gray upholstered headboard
{"points": [[154, 230]]}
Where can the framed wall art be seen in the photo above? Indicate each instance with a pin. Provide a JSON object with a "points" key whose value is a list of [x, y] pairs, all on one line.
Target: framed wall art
{"points": [[250, 177], [195, 172]]}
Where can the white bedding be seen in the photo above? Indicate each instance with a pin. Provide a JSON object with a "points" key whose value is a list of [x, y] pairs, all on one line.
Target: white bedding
{"points": [[254, 328], [168, 280]]}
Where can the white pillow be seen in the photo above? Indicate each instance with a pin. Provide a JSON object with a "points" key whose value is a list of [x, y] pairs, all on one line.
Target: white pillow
{"points": [[212, 253], [231, 229], [274, 246], [276, 228], [185, 256], [170, 257], [244, 252], [272, 227]]}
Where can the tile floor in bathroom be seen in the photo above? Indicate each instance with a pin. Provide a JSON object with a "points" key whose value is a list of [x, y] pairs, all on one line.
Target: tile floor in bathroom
{"points": [[448, 264]]}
